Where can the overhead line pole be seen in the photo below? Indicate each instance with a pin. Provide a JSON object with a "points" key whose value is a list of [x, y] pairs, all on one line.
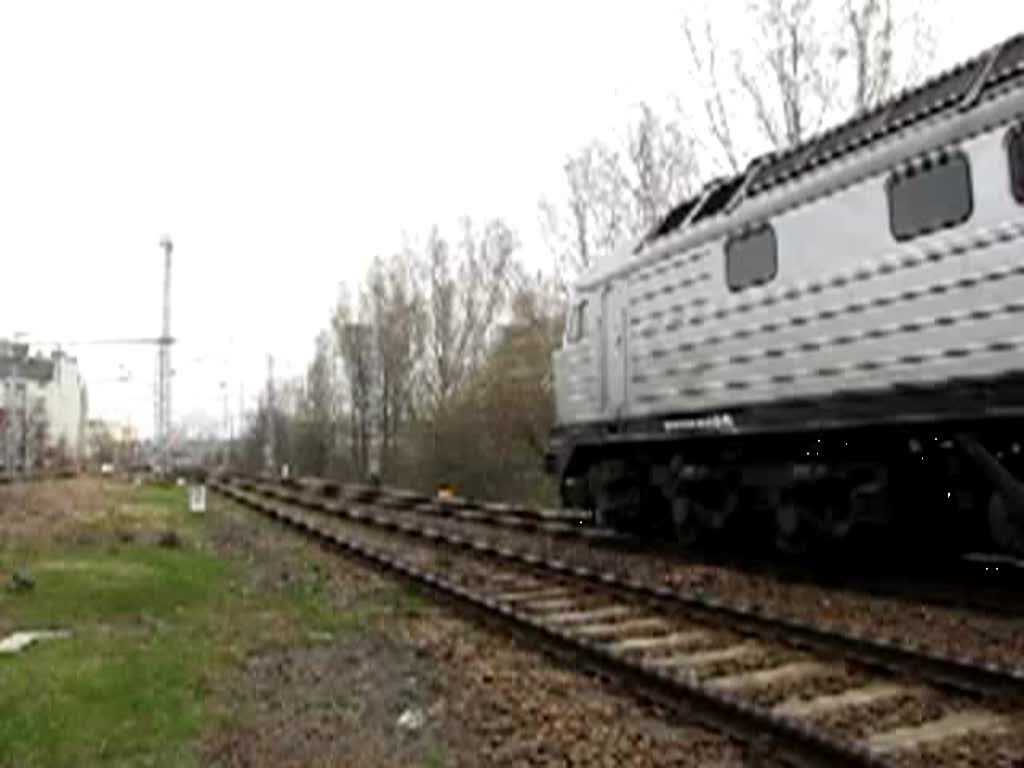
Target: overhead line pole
{"points": [[163, 388]]}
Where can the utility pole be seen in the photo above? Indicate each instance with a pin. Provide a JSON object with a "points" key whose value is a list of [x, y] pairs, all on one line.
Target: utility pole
{"points": [[24, 427], [226, 425], [268, 445], [241, 411], [163, 385]]}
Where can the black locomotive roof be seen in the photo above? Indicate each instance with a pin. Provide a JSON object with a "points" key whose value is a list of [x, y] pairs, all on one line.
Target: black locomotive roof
{"points": [[978, 79]]}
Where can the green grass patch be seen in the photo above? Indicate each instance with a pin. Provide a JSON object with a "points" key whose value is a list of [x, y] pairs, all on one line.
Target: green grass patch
{"points": [[113, 583], [150, 626], [148, 507], [435, 756], [123, 689], [165, 497]]}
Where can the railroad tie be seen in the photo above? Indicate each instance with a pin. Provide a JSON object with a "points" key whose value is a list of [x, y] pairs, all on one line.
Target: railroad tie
{"points": [[951, 726], [558, 514], [555, 528], [661, 642], [589, 615], [557, 605], [514, 579], [531, 594], [855, 697], [763, 678], [622, 628], [495, 507], [707, 658]]}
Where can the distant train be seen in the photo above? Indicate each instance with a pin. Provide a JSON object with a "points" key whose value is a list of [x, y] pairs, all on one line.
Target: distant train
{"points": [[827, 343]]}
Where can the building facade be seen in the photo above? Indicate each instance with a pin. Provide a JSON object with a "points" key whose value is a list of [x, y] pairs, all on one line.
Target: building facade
{"points": [[43, 406]]}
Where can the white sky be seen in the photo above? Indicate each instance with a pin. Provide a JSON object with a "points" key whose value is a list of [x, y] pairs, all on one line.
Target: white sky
{"points": [[283, 145]]}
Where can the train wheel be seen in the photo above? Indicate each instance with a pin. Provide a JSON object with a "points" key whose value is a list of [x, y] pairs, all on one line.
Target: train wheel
{"points": [[791, 536], [684, 521], [717, 517], [1006, 532]]}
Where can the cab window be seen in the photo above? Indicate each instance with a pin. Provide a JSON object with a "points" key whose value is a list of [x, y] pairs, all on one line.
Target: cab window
{"points": [[577, 328], [751, 258], [1015, 151], [931, 196]]}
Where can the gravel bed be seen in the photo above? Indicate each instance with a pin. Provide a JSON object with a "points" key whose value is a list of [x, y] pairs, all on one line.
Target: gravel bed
{"points": [[947, 631], [895, 713], [979, 751], [900, 712], [513, 709], [488, 699], [763, 658], [841, 679], [903, 712]]}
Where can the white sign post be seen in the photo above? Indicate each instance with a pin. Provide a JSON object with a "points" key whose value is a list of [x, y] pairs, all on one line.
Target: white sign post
{"points": [[197, 498]]}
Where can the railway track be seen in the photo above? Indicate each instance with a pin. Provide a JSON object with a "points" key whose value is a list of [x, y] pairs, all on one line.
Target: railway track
{"points": [[823, 697], [978, 584], [8, 478]]}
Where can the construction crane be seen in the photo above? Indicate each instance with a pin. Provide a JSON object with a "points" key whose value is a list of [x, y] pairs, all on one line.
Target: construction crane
{"points": [[163, 383], [163, 342]]}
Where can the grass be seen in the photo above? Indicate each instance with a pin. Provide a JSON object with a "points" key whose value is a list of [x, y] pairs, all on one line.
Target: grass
{"points": [[123, 689], [435, 757], [318, 616], [164, 497], [150, 628]]}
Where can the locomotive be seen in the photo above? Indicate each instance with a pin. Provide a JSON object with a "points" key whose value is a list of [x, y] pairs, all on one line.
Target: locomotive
{"points": [[826, 344]]}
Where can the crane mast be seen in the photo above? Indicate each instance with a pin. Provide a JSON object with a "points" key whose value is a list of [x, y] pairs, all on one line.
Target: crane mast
{"points": [[163, 378]]}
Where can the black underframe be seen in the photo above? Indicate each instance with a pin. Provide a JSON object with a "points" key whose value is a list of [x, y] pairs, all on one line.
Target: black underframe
{"points": [[978, 406]]}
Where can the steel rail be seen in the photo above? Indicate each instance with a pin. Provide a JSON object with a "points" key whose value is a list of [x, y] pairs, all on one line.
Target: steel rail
{"points": [[901, 657], [801, 744]]}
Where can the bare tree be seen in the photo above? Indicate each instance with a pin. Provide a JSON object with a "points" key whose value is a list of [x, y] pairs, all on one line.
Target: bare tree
{"points": [[614, 195], [662, 167], [396, 311], [354, 337], [872, 38], [805, 65], [465, 294], [517, 379], [715, 98], [101, 442], [789, 83], [317, 409]]}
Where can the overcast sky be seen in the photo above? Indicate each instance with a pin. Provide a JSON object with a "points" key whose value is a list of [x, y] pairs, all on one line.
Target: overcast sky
{"points": [[282, 145]]}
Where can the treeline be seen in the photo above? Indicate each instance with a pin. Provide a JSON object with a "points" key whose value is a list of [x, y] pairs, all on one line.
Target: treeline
{"points": [[436, 366]]}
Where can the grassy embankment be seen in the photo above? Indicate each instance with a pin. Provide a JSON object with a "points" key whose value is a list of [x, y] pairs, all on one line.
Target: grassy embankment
{"points": [[153, 628]]}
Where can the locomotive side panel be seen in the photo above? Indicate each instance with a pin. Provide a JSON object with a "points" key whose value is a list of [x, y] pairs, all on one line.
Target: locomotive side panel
{"points": [[849, 308], [576, 365], [831, 339]]}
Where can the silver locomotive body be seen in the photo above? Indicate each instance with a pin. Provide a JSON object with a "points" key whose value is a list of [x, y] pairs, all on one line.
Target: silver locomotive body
{"points": [[794, 337]]}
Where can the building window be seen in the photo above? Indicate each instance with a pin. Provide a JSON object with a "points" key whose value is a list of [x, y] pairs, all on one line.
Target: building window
{"points": [[577, 322], [929, 197], [751, 258], [1015, 151]]}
